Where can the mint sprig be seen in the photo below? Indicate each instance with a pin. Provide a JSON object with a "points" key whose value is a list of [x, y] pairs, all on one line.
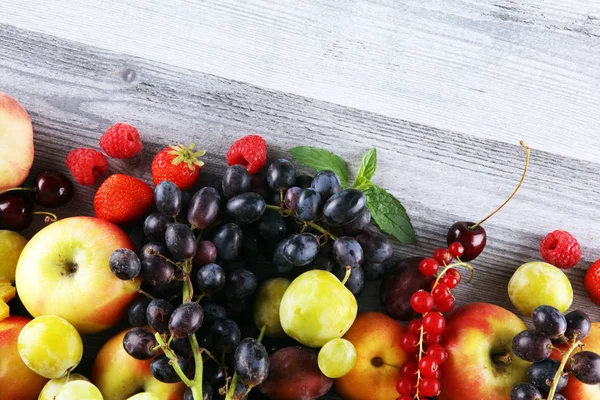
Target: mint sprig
{"points": [[387, 211]]}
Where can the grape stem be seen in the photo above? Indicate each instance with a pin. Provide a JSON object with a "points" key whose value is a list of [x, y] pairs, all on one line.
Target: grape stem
{"points": [[313, 225], [576, 343], [172, 359], [347, 276]]}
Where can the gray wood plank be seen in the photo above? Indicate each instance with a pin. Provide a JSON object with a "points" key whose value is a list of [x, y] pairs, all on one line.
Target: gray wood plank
{"points": [[498, 69]]}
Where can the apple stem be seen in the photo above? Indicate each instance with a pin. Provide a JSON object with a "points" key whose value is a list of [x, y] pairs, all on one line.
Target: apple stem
{"points": [[527, 151], [347, 276], [563, 363], [502, 359], [17, 188], [286, 213]]}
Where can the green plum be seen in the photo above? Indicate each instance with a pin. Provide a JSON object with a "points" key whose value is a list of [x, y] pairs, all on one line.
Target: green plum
{"points": [[317, 308], [266, 307]]}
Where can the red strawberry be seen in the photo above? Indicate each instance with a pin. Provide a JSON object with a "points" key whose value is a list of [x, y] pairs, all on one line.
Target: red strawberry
{"points": [[123, 198], [178, 164], [249, 151], [592, 282]]}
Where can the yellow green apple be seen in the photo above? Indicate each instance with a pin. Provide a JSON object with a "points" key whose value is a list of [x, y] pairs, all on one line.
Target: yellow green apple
{"points": [[11, 246], [120, 376], [481, 365], [63, 270], [16, 142]]}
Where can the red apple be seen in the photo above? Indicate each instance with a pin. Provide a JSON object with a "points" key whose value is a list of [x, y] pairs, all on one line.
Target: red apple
{"points": [[63, 270], [379, 358], [17, 381], [576, 390], [16, 142], [481, 365], [119, 376]]}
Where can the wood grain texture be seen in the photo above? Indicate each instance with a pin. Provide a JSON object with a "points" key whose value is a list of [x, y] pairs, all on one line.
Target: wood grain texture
{"points": [[494, 69], [74, 92]]}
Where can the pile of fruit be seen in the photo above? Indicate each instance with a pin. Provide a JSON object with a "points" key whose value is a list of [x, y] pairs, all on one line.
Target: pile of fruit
{"points": [[247, 289]]}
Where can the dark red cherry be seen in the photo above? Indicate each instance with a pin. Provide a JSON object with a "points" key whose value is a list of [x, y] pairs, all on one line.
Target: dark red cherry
{"points": [[473, 240], [16, 212], [52, 189]]}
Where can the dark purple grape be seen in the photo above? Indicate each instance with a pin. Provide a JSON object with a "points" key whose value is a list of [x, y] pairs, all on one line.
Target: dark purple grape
{"points": [[168, 199], [16, 212], [532, 346], [281, 175], [204, 208], [186, 320], [228, 240], [585, 366], [150, 250], [578, 325], [239, 284], [324, 260], [210, 279], [327, 183], [525, 391], [301, 249], [164, 371], [541, 374], [559, 396], [279, 259], [259, 185], [52, 189], [348, 252], [136, 313], [226, 335], [140, 343], [236, 181], [246, 208], [124, 264], [356, 282], [207, 392], [272, 226], [291, 197], [214, 374], [308, 205], [304, 181], [213, 312], [156, 271], [376, 246], [183, 347], [549, 321], [357, 225], [251, 362], [180, 241], [158, 314], [344, 207], [206, 253], [374, 271], [155, 226]]}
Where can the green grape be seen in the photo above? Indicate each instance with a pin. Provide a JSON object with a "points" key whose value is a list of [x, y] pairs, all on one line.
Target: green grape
{"points": [[144, 396], [79, 390], [54, 386], [336, 358]]}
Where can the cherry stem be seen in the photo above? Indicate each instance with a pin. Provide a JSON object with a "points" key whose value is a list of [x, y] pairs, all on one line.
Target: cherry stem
{"points": [[17, 189], [453, 266], [50, 217], [286, 213], [527, 151], [576, 343], [347, 276]]}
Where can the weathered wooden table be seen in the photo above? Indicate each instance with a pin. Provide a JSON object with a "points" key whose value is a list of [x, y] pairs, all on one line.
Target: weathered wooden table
{"points": [[444, 90]]}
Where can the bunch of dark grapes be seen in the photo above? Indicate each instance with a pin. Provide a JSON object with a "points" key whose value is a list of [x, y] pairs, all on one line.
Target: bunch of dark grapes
{"points": [[554, 347], [204, 254]]}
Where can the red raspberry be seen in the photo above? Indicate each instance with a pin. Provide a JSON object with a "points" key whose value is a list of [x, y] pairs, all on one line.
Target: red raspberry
{"points": [[249, 151], [86, 165], [560, 249], [592, 282], [121, 141]]}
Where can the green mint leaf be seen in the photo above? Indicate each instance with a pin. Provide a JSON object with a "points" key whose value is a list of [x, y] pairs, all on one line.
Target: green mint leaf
{"points": [[320, 159], [389, 214], [367, 168]]}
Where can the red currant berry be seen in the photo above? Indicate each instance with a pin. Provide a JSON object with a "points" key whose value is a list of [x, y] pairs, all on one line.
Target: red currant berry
{"points": [[446, 304], [430, 339], [409, 369], [429, 387], [422, 302], [428, 366], [414, 357], [440, 292], [456, 249], [439, 354], [449, 280], [414, 326], [434, 323], [409, 342], [406, 385], [406, 397], [442, 256], [438, 374], [428, 266]]}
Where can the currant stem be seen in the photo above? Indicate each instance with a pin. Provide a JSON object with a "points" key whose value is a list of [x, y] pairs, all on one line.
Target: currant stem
{"points": [[527, 151], [313, 225], [347, 276], [453, 266], [563, 363], [421, 335], [17, 189]]}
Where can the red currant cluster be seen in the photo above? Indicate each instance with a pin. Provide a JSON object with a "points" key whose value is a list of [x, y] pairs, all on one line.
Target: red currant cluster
{"points": [[421, 375]]}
